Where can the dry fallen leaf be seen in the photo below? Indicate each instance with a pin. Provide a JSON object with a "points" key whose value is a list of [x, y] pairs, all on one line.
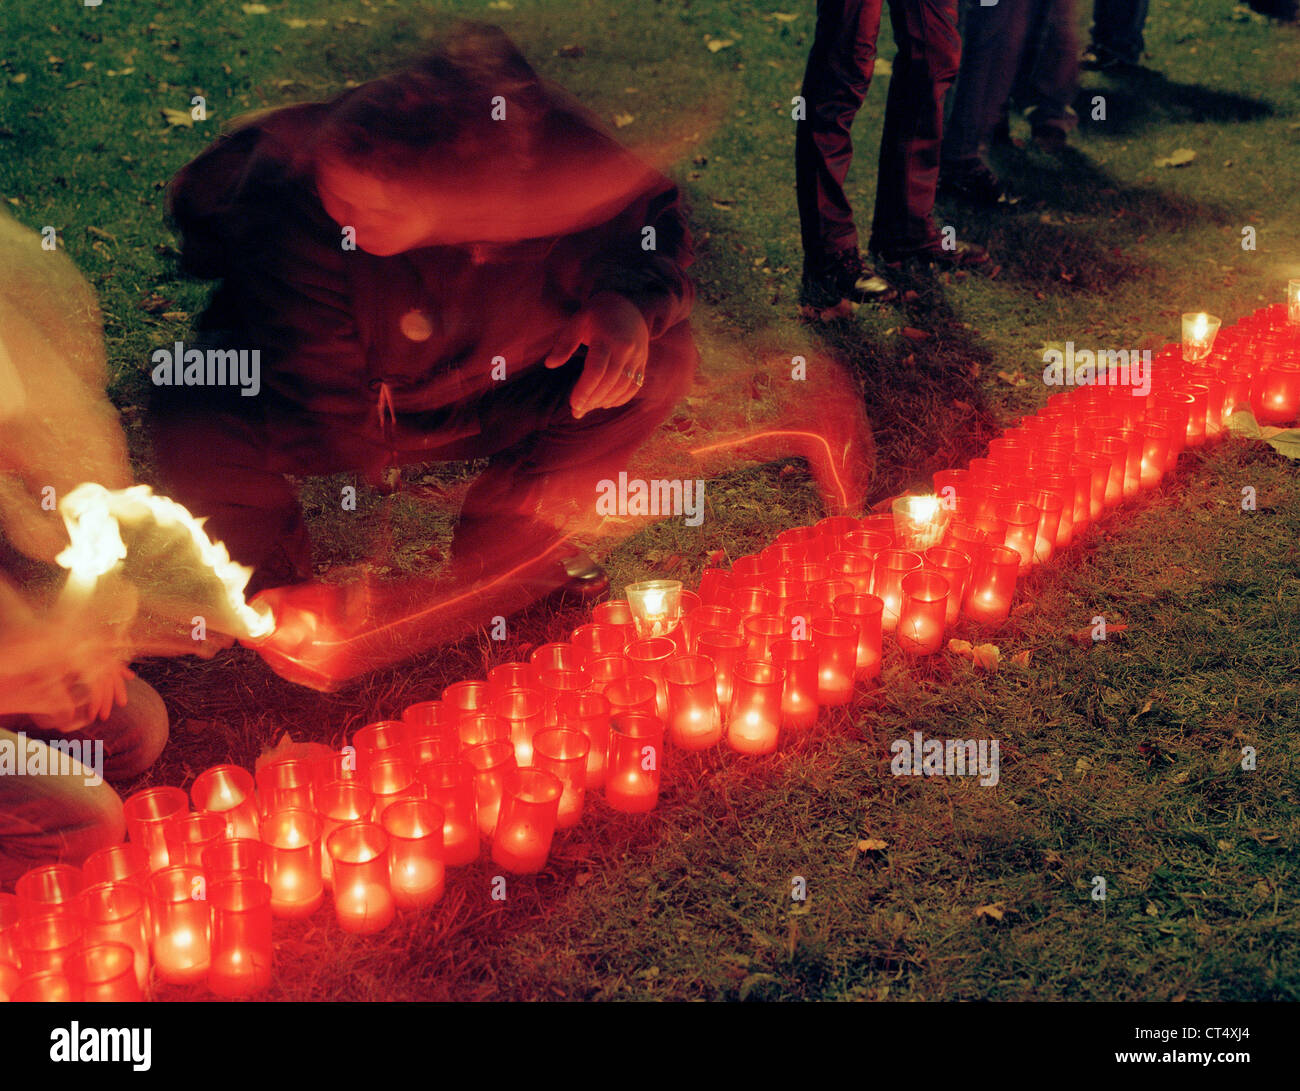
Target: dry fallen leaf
{"points": [[964, 648], [255, 9], [1015, 378], [986, 656], [178, 118], [782, 17], [871, 844], [716, 44], [1179, 158], [622, 121], [994, 912], [1021, 659]]}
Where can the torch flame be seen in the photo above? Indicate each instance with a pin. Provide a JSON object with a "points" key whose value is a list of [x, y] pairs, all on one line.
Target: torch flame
{"points": [[92, 515]]}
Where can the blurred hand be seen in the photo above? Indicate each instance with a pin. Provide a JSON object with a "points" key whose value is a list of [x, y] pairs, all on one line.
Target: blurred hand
{"points": [[618, 343]]}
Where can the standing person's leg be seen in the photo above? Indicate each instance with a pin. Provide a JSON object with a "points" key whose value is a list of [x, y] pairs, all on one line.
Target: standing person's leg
{"points": [[835, 83], [1117, 27], [1053, 81], [993, 40], [929, 55]]}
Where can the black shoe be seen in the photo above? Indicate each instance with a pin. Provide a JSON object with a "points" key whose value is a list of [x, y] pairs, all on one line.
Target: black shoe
{"points": [[1097, 58], [975, 184], [1001, 136], [836, 288], [962, 255]]}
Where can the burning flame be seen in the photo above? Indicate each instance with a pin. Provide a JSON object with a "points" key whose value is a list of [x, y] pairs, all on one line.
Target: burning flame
{"points": [[923, 509], [93, 517], [1200, 327]]}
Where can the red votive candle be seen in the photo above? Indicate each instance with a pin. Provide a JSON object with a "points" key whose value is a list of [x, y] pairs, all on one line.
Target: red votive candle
{"points": [[837, 653], [363, 899], [293, 863], [378, 741], [605, 669], [476, 728], [433, 741], [491, 762], [635, 753], [228, 790], [523, 711], [715, 587], [1021, 521], [235, 858], [881, 523], [636, 693], [392, 779], [48, 889], [866, 543], [709, 617], [423, 715], [43, 987], [241, 937], [117, 913], [181, 953], [1275, 393], [887, 582], [556, 683], [797, 660], [450, 786], [530, 803], [760, 631], [8, 922], [563, 752], [648, 657], [472, 695], [589, 713], [725, 649], [338, 804], [825, 592], [45, 942], [921, 618], [749, 565], [147, 813], [954, 566], [1102, 470], [508, 676], [694, 722], [754, 721], [116, 864], [992, 584], [1155, 453], [416, 868], [616, 612], [104, 973], [284, 785], [595, 640], [866, 612], [188, 835]]}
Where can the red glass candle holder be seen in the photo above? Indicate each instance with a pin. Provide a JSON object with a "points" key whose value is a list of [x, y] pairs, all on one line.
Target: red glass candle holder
{"points": [[508, 676], [103, 973], [616, 612], [558, 655], [595, 640], [335, 766], [423, 715], [635, 693], [725, 648], [449, 785], [954, 566], [836, 640], [1021, 521], [228, 790], [635, 755], [1102, 471], [48, 889], [563, 753], [523, 711], [473, 695], [694, 719], [1275, 393], [887, 582], [433, 742], [416, 869], [46, 941], [992, 585], [856, 568], [606, 669], [556, 683], [235, 858], [760, 631], [285, 785], [867, 613], [1155, 453], [8, 922], [116, 864], [363, 898], [751, 564], [921, 619], [392, 779], [475, 728], [715, 587], [181, 951], [492, 762], [648, 657], [338, 804], [48, 986], [881, 523], [589, 713], [867, 543], [118, 913], [242, 952], [754, 720], [797, 660], [147, 813], [709, 617], [378, 741], [825, 592], [530, 802], [749, 599], [188, 835], [293, 863]]}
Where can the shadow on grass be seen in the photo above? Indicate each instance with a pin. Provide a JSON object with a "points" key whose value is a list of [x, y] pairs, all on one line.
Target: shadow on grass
{"points": [[1142, 98]]}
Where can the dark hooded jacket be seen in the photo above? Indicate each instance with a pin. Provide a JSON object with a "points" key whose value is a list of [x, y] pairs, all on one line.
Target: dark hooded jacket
{"points": [[335, 326]]}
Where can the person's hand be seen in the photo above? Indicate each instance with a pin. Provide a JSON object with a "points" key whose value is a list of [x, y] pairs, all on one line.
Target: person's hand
{"points": [[618, 342]]}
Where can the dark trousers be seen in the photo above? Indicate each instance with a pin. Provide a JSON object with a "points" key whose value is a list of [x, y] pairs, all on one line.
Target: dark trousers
{"points": [[230, 462], [992, 44], [1117, 28], [835, 84]]}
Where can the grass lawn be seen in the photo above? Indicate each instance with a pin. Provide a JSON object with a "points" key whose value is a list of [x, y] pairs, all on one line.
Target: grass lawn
{"points": [[1120, 759]]}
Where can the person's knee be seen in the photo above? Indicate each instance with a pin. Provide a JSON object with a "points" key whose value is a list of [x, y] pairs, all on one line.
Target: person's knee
{"points": [[671, 364], [63, 823], [136, 732]]}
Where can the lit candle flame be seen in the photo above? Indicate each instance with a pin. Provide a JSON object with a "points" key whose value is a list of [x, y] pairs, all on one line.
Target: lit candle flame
{"points": [[1200, 327]]}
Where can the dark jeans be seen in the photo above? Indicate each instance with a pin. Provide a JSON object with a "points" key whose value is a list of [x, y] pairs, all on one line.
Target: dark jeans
{"points": [[993, 41], [1048, 79], [835, 84], [1117, 28], [228, 461]]}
